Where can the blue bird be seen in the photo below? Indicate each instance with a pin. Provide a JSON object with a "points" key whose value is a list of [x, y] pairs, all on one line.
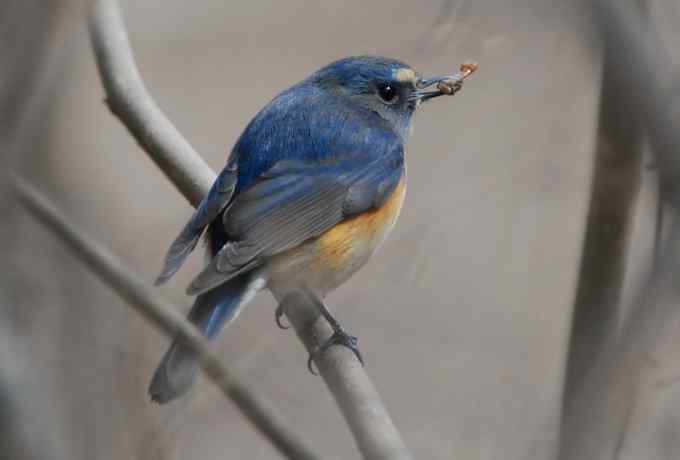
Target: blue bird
{"points": [[310, 191]]}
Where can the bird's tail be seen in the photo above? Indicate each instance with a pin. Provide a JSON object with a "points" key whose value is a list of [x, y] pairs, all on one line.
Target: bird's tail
{"points": [[210, 313]]}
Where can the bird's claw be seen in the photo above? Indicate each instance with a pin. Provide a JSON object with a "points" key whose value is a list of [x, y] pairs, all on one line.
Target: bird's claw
{"points": [[279, 315], [339, 337]]}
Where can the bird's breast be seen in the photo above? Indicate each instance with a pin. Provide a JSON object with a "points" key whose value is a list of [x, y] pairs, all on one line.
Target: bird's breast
{"points": [[361, 235], [329, 260]]}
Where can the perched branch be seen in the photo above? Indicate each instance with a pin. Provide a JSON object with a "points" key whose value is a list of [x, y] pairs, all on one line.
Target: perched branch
{"points": [[166, 318], [356, 396], [129, 100]]}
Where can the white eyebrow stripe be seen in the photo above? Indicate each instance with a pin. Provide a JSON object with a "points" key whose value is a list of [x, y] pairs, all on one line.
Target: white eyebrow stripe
{"points": [[405, 75]]}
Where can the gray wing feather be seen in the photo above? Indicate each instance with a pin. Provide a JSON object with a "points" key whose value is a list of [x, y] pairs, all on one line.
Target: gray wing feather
{"points": [[287, 207], [214, 202], [266, 227], [371, 192]]}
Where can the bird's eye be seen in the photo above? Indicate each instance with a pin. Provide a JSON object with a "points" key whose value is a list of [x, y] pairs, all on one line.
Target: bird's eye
{"points": [[388, 93]]}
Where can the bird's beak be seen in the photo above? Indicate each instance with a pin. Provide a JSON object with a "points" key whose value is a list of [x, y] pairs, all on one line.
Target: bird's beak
{"points": [[445, 84], [422, 93]]}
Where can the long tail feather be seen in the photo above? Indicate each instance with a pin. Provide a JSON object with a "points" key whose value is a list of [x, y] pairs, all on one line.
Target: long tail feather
{"points": [[211, 312]]}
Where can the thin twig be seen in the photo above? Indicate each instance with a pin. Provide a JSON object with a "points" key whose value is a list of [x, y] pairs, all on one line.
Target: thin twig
{"points": [[165, 317], [356, 396]]}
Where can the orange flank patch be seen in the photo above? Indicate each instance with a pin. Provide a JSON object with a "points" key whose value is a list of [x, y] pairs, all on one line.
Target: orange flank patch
{"points": [[359, 236]]}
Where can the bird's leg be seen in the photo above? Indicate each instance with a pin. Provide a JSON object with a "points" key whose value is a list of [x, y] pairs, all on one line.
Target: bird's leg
{"points": [[339, 337]]}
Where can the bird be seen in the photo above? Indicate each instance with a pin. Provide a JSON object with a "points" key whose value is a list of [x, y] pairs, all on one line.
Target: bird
{"points": [[311, 189]]}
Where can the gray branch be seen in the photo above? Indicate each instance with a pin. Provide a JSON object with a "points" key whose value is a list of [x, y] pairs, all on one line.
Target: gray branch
{"points": [[615, 187], [347, 380], [165, 317], [129, 100], [597, 422], [352, 389]]}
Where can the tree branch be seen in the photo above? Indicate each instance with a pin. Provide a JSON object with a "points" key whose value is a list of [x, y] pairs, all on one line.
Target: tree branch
{"points": [[165, 317], [129, 100], [616, 183], [601, 404], [352, 389]]}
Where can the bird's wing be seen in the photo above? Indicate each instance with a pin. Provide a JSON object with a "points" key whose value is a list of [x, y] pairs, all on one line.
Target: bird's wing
{"points": [[293, 202], [212, 204]]}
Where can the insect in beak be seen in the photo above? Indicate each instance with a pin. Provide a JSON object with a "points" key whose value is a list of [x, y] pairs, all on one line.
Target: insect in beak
{"points": [[446, 84]]}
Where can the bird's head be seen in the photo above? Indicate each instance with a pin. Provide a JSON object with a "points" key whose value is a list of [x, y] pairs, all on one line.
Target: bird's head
{"points": [[385, 86]]}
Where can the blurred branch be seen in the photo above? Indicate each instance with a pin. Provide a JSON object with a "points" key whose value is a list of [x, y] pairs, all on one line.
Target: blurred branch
{"points": [[599, 410], [356, 396], [641, 68], [603, 263], [32, 61], [165, 317], [616, 182], [129, 100]]}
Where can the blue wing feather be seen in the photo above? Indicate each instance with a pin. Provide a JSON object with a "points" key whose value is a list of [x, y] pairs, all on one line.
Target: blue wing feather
{"points": [[292, 204], [210, 207]]}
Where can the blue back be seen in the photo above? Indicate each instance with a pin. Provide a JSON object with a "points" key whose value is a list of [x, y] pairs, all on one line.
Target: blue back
{"points": [[309, 123], [312, 121]]}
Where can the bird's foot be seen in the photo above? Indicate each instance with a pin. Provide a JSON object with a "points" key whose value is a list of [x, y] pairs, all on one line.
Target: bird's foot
{"points": [[339, 337], [279, 318]]}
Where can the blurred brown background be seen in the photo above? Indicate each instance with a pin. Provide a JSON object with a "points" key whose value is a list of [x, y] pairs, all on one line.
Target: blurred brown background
{"points": [[464, 316]]}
